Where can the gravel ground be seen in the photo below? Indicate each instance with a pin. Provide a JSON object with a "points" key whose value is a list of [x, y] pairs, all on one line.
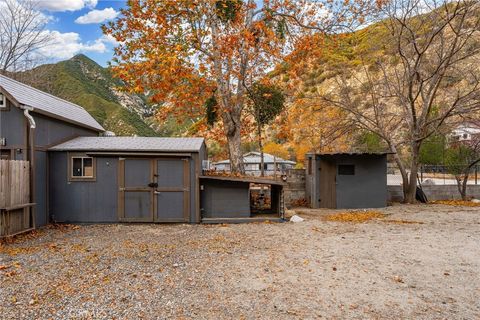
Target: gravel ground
{"points": [[380, 269]]}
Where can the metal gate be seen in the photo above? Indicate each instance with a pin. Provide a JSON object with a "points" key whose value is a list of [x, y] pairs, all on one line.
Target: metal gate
{"points": [[154, 190]]}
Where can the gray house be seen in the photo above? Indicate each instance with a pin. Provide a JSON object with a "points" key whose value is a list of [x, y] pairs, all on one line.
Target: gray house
{"points": [[31, 121], [346, 180], [78, 176]]}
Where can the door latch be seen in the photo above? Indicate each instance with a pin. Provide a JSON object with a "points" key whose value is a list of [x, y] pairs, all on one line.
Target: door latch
{"points": [[153, 185]]}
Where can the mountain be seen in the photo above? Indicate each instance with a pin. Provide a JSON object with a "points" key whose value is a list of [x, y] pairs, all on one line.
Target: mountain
{"points": [[82, 81]]}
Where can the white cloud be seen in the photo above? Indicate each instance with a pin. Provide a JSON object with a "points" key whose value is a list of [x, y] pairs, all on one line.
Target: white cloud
{"points": [[66, 5], [108, 38], [97, 16], [66, 45]]}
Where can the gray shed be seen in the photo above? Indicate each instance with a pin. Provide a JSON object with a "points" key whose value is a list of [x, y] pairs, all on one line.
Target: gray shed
{"points": [[126, 179], [230, 199], [346, 180]]}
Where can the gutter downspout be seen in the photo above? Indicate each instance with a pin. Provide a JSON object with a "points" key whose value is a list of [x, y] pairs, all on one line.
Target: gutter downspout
{"points": [[31, 152]]}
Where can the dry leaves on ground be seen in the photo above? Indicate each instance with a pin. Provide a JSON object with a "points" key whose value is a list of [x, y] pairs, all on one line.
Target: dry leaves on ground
{"points": [[457, 203], [354, 216]]}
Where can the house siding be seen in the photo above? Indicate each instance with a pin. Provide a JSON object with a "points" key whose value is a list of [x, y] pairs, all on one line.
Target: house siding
{"points": [[13, 129], [48, 131]]}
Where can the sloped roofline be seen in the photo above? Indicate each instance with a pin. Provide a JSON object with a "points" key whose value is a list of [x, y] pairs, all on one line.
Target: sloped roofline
{"points": [[38, 110]]}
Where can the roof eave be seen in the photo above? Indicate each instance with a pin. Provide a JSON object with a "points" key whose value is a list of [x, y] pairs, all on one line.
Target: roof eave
{"points": [[55, 116]]}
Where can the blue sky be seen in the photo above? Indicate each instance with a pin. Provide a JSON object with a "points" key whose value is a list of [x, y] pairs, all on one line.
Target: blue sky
{"points": [[75, 28]]}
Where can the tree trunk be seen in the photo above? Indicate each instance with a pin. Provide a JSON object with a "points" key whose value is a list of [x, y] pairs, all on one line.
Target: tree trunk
{"points": [[260, 146], [462, 181], [411, 190], [234, 148], [403, 171], [464, 186]]}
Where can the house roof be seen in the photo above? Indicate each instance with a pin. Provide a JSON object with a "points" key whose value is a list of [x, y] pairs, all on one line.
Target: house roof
{"points": [[47, 104], [254, 157], [129, 144]]}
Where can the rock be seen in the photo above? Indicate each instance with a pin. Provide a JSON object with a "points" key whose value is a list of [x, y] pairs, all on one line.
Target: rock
{"points": [[475, 200], [296, 218]]}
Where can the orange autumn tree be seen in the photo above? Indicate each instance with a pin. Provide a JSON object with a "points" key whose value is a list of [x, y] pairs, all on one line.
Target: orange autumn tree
{"points": [[181, 52]]}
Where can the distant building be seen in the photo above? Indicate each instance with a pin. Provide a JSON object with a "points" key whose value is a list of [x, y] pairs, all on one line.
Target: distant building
{"points": [[252, 162], [466, 132]]}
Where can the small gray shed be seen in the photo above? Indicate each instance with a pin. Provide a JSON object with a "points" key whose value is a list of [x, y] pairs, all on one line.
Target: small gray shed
{"points": [[230, 199], [126, 179], [346, 180]]}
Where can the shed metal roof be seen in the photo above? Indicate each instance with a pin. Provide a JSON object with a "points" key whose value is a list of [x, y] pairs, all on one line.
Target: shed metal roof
{"points": [[47, 104], [131, 144]]}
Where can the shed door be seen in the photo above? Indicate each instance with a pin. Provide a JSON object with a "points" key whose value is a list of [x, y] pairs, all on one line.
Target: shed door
{"points": [[135, 195], [172, 195], [328, 176]]}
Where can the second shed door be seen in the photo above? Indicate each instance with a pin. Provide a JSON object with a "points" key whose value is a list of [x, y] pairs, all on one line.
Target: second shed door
{"points": [[328, 184], [172, 195]]}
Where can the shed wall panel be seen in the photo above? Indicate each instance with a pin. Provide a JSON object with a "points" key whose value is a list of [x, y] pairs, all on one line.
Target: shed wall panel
{"points": [[224, 199], [367, 188], [83, 201]]}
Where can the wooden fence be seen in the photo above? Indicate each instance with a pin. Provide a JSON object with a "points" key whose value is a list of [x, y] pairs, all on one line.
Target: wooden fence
{"points": [[16, 214]]}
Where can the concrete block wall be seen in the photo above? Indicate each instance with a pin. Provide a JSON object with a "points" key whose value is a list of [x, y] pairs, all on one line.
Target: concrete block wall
{"points": [[295, 189], [435, 192]]}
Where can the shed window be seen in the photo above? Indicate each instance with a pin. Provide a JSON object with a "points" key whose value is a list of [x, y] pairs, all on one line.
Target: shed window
{"points": [[82, 167], [3, 101], [346, 169]]}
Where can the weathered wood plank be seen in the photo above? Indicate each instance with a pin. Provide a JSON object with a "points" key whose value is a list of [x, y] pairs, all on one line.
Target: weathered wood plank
{"points": [[15, 206]]}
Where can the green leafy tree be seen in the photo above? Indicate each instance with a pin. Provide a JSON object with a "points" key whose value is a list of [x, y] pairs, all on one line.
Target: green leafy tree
{"points": [[267, 102], [432, 151]]}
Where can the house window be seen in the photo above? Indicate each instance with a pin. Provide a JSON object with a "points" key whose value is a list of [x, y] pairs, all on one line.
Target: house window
{"points": [[82, 168], [346, 169], [265, 166], [3, 101]]}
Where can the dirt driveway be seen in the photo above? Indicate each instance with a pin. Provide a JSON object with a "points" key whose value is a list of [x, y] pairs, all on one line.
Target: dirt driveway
{"points": [[381, 269]]}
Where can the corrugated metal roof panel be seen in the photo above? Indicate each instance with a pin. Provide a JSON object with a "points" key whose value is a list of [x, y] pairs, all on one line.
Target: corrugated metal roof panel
{"points": [[129, 144], [47, 104]]}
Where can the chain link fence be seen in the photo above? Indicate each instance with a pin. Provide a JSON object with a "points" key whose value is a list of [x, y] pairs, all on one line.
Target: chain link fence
{"points": [[433, 175]]}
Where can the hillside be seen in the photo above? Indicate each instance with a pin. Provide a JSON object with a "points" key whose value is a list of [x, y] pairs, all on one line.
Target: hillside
{"points": [[84, 82]]}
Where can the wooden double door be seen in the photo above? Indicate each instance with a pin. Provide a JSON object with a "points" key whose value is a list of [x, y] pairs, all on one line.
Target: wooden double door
{"points": [[154, 190]]}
